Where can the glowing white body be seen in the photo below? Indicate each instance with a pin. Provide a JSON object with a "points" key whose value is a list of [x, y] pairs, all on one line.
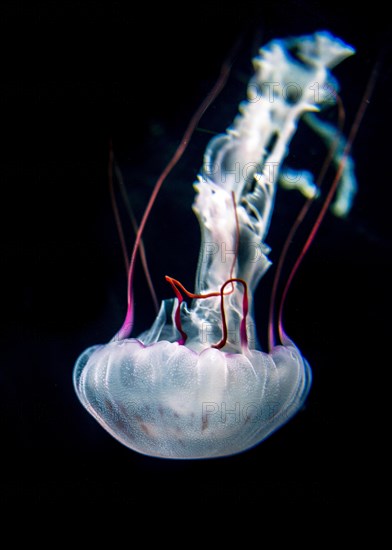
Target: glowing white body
{"points": [[192, 401], [165, 400]]}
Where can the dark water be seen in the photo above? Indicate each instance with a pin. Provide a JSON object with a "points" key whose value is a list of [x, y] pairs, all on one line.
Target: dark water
{"points": [[104, 72]]}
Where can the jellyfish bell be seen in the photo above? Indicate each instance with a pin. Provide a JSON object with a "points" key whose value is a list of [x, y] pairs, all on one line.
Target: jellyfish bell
{"points": [[197, 384], [166, 400]]}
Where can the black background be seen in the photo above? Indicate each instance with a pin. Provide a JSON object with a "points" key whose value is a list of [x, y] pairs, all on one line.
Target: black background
{"points": [[76, 76]]}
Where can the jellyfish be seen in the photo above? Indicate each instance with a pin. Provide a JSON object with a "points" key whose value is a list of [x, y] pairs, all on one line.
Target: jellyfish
{"points": [[197, 384]]}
